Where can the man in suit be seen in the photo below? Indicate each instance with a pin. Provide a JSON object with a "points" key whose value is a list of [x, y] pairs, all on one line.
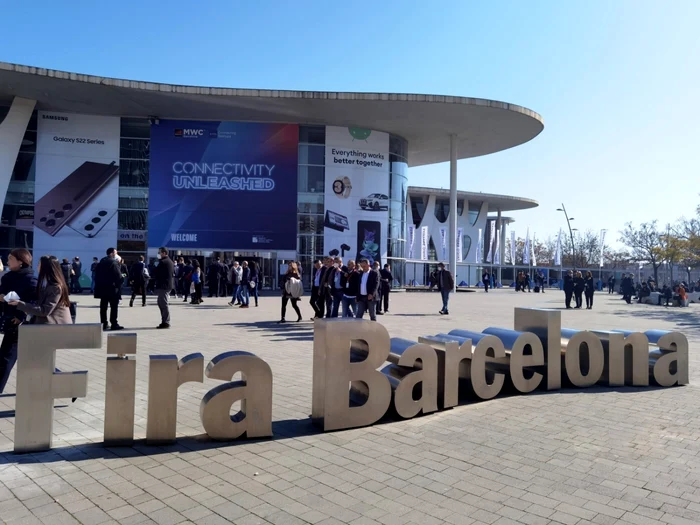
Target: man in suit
{"points": [[378, 296], [337, 284], [108, 284], [568, 288], [325, 300], [387, 279], [315, 289], [369, 283], [486, 279], [165, 282], [446, 284]]}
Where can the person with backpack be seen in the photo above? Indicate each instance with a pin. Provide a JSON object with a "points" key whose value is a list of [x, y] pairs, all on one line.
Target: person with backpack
{"points": [[138, 280], [292, 290]]}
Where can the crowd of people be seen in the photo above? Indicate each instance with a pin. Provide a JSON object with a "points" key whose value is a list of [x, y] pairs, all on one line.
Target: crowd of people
{"points": [[358, 288], [669, 294]]}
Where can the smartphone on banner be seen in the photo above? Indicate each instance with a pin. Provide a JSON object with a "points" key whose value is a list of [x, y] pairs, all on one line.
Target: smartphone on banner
{"points": [[90, 221], [60, 205], [369, 241]]}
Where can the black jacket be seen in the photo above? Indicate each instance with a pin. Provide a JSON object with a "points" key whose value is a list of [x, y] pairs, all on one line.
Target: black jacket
{"points": [[568, 283], [372, 283], [165, 274], [24, 283], [387, 279], [444, 279], [66, 269], [352, 284], [77, 268], [136, 273], [578, 284], [108, 279], [589, 285]]}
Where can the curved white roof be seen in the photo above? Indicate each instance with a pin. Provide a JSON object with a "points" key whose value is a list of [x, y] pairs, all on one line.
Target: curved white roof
{"points": [[426, 121]]}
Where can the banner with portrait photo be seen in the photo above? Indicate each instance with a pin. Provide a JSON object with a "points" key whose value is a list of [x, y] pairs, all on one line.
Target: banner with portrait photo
{"points": [[356, 193]]}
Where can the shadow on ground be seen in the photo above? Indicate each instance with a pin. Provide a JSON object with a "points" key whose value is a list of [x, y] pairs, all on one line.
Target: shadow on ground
{"points": [[291, 330]]}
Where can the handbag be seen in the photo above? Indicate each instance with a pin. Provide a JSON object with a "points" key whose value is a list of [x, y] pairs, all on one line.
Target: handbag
{"points": [[252, 284]]}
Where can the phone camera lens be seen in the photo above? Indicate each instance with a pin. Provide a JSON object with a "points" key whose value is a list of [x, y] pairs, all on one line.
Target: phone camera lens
{"points": [[101, 213], [96, 220], [52, 211], [89, 227], [59, 214], [43, 219], [51, 223]]}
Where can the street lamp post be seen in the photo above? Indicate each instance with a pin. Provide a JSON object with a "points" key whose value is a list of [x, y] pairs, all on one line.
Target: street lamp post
{"points": [[571, 234]]}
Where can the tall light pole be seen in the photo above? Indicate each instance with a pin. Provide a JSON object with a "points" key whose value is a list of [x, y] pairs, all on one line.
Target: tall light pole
{"points": [[571, 234]]}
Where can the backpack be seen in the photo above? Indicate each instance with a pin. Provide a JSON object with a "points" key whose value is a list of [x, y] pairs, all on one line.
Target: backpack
{"points": [[145, 274], [294, 287]]}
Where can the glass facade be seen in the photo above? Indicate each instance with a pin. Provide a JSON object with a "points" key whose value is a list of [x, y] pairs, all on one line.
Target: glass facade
{"points": [[17, 215]]}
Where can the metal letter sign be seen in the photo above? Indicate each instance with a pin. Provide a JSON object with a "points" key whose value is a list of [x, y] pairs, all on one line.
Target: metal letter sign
{"points": [[352, 385]]}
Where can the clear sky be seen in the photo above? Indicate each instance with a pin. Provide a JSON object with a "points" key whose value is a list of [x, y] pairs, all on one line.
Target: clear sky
{"points": [[615, 80]]}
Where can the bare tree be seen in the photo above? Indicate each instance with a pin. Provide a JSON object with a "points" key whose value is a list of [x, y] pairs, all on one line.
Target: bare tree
{"points": [[646, 243]]}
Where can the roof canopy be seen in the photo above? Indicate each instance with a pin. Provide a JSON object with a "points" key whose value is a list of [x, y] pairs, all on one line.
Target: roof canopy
{"points": [[496, 202], [426, 121]]}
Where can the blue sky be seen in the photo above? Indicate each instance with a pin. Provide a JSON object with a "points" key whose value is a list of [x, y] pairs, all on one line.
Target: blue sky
{"points": [[615, 80]]}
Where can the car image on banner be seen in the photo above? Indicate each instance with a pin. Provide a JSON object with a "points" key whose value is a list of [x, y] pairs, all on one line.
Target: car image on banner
{"points": [[356, 193], [223, 185]]}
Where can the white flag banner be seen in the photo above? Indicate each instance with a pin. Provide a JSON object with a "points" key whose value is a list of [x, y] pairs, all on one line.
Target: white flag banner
{"points": [[557, 250], [512, 247], [526, 250], [443, 243], [478, 249], [532, 254], [497, 250], [411, 240], [424, 239], [602, 246], [492, 236], [460, 234]]}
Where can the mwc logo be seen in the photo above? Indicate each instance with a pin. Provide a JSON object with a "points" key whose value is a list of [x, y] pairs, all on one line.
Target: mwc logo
{"points": [[191, 132]]}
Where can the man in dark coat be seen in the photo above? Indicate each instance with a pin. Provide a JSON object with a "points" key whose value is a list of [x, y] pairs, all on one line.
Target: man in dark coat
{"points": [[75, 276], [369, 284], [108, 283], [568, 288], [165, 282], [446, 285], [387, 280]]}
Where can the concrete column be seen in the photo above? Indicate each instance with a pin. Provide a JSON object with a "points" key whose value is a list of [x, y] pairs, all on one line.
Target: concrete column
{"points": [[499, 224], [11, 134], [503, 248], [453, 207]]}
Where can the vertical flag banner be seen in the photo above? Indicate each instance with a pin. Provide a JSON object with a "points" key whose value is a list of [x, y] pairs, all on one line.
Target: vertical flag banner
{"points": [[602, 246], [492, 236], [497, 250], [557, 250], [526, 250], [411, 240], [532, 254], [460, 234], [512, 247], [478, 249], [443, 243], [424, 236]]}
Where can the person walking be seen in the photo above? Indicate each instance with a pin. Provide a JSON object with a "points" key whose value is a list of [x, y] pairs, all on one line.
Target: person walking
{"points": [[588, 289], [325, 300], [486, 279], [378, 296], [196, 282], [337, 283], [387, 280], [213, 276], [351, 289], [67, 270], [19, 279], [138, 280], [108, 283], [316, 290], [369, 284], [578, 289], [255, 281], [93, 268], [292, 290], [445, 284], [53, 304], [236, 275], [627, 288], [568, 288], [245, 285], [165, 281], [75, 276]]}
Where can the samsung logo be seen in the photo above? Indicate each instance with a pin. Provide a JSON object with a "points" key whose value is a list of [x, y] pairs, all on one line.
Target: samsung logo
{"points": [[54, 117]]}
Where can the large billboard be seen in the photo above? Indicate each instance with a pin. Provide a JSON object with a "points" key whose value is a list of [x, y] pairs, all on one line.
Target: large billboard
{"points": [[76, 193], [356, 193], [223, 185]]}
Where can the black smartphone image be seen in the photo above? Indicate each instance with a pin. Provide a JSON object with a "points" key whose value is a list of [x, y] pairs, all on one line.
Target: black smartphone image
{"points": [[58, 207], [369, 241], [336, 221]]}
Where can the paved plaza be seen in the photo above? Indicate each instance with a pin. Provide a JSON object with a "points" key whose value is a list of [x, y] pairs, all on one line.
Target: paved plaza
{"points": [[576, 457]]}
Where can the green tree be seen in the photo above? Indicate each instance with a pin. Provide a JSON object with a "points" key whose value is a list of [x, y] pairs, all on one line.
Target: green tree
{"points": [[646, 244]]}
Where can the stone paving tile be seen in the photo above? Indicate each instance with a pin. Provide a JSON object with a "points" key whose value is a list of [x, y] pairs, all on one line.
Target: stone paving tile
{"points": [[606, 456]]}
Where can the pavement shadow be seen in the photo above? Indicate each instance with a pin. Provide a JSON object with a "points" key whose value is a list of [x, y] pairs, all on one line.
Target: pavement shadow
{"points": [[685, 318], [289, 331]]}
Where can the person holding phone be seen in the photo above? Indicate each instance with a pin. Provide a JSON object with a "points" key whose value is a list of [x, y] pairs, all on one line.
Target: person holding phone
{"points": [[445, 284]]}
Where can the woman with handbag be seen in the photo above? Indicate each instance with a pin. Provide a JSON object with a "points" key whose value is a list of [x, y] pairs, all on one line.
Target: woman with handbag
{"points": [[20, 279], [254, 281], [288, 283], [196, 282], [52, 304]]}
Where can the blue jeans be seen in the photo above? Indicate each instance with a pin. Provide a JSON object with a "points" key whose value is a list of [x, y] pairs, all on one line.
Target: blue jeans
{"points": [[349, 306], [445, 298], [337, 299], [237, 296], [255, 293], [245, 294]]}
